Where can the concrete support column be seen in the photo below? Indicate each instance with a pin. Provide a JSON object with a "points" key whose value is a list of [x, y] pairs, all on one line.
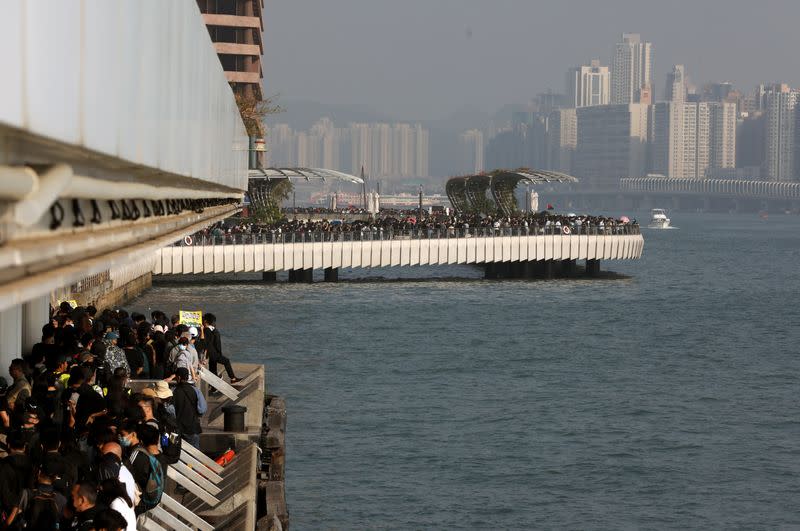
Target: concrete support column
{"points": [[517, 269], [306, 275], [569, 268], [490, 271], [10, 337], [269, 276], [548, 269], [331, 274], [593, 268], [292, 275], [35, 314]]}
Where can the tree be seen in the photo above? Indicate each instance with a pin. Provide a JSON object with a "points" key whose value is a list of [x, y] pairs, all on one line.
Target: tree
{"points": [[254, 111], [269, 211]]}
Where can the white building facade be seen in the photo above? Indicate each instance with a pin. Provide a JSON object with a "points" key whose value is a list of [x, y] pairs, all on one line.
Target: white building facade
{"points": [[588, 85], [631, 69], [689, 139], [471, 152], [780, 132]]}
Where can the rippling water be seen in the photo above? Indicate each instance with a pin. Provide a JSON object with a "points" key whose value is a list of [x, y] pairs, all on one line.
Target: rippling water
{"points": [[668, 399]]}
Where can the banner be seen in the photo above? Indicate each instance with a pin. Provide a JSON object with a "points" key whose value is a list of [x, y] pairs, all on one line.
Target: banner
{"points": [[192, 318]]}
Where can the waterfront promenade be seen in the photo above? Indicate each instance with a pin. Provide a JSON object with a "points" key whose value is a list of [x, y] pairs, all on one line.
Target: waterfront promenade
{"points": [[271, 253]]}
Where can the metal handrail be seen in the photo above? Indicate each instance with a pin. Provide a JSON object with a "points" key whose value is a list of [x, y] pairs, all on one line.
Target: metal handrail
{"points": [[379, 234]]}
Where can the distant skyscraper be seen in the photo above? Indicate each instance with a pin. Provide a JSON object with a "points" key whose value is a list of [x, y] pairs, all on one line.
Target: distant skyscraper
{"points": [[688, 139], [422, 152], [562, 139], [471, 152], [612, 143], [781, 139], [750, 139], [676, 85], [631, 69], [588, 85]]}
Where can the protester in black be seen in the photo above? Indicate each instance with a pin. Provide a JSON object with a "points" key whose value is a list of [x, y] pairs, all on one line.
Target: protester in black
{"points": [[184, 396], [214, 347]]}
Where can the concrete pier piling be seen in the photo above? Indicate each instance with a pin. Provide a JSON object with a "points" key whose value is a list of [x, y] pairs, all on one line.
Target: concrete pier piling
{"points": [[537, 269], [301, 276], [331, 274], [269, 276], [593, 268]]}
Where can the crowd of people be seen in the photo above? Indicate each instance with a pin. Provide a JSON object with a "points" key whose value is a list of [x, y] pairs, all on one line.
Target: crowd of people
{"points": [[79, 449], [400, 222]]}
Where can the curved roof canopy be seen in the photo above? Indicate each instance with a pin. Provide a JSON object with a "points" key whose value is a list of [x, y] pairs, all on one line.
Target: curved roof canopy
{"points": [[306, 174], [469, 192]]}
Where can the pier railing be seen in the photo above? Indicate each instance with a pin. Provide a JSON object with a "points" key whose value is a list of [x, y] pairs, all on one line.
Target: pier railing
{"points": [[414, 234]]}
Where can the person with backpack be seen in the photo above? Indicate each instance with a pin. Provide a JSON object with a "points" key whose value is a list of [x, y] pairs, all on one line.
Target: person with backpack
{"points": [[46, 504], [144, 463], [113, 495], [189, 406], [170, 441]]}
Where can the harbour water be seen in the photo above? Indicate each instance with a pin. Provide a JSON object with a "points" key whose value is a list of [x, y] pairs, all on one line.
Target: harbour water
{"points": [[666, 399]]}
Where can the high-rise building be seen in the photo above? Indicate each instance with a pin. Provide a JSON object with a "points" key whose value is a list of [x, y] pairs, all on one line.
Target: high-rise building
{"points": [[588, 85], [631, 69], [750, 139], [236, 29], [612, 143], [688, 139], [422, 152], [562, 139], [676, 89], [470, 145], [781, 125], [722, 140]]}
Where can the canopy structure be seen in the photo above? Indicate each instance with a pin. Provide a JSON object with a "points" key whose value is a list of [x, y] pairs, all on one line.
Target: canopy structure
{"points": [[263, 181], [468, 193], [304, 174]]}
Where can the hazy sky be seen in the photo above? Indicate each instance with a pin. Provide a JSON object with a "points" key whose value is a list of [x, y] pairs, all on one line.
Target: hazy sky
{"points": [[425, 58]]}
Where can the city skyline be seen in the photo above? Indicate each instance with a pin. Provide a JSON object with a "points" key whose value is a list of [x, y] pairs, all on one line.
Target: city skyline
{"points": [[470, 55]]}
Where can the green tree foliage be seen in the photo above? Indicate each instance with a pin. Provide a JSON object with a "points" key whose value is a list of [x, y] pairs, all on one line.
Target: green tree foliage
{"points": [[270, 211]]}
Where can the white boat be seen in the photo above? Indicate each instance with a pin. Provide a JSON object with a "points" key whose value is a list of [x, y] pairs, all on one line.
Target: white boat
{"points": [[658, 219]]}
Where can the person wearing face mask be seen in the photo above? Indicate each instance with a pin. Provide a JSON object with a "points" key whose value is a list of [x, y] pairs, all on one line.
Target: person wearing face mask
{"points": [[144, 462], [183, 359]]}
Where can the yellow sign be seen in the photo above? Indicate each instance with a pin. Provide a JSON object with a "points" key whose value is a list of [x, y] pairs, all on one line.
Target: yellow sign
{"points": [[192, 318], [71, 302]]}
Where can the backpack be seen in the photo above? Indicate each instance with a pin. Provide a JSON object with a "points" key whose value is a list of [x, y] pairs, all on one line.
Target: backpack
{"points": [[154, 488], [170, 440], [202, 405], [43, 511]]}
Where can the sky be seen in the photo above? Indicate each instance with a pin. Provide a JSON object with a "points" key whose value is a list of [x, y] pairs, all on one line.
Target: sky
{"points": [[424, 59]]}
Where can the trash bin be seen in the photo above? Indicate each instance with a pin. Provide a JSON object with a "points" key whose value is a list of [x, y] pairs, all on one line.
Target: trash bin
{"points": [[234, 417]]}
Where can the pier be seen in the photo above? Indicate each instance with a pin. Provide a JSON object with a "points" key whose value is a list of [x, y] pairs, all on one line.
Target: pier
{"points": [[300, 254]]}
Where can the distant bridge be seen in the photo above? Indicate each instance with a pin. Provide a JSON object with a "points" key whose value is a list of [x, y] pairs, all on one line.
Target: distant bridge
{"points": [[508, 253], [732, 188]]}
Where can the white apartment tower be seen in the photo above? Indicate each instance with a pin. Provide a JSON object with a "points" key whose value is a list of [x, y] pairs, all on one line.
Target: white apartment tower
{"points": [[676, 89], [631, 69], [588, 85], [562, 139], [688, 139], [470, 145], [781, 126]]}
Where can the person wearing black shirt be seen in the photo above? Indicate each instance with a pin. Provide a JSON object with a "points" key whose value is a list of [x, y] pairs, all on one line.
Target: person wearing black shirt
{"points": [[185, 399], [84, 500], [214, 347]]}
